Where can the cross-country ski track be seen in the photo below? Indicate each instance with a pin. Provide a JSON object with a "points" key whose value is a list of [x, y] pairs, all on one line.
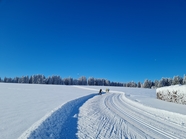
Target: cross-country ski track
{"points": [[110, 115]]}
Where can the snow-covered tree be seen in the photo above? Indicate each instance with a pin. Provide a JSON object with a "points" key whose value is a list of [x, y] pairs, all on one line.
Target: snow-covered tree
{"points": [[35, 79], [128, 84], [20, 80], [139, 85], [75, 82], [116, 84], [99, 82], [25, 79], [107, 83], [40, 79], [124, 85], [166, 83], [91, 81], [15, 80], [68, 81], [169, 80], [30, 80], [134, 84], [156, 82], [131, 84], [162, 82], [50, 80], [82, 80], [121, 84], [113, 84], [184, 79], [56, 79], [147, 84], [7, 80], [177, 80]]}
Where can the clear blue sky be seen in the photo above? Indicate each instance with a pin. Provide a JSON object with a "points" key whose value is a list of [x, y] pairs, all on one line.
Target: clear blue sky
{"points": [[124, 40]]}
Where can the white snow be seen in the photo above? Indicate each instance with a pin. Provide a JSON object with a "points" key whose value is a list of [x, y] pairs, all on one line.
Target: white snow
{"points": [[115, 116], [179, 88], [176, 94], [49, 111], [146, 97], [22, 105]]}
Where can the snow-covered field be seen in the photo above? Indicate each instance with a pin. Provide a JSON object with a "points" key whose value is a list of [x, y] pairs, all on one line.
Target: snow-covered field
{"points": [[22, 105], [49, 111]]}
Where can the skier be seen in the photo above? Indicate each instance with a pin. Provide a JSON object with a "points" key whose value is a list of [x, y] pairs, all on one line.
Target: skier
{"points": [[100, 92]]}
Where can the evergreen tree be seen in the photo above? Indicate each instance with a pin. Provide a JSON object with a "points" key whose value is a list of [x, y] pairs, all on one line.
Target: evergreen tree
{"points": [[184, 79], [124, 85], [156, 82], [30, 80], [107, 83], [177, 80], [75, 82], [15, 80], [68, 81], [169, 81], [91, 81], [147, 84], [5, 79], [56, 80], [82, 80], [139, 85]]}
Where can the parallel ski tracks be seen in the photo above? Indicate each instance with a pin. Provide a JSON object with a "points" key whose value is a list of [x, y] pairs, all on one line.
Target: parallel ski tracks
{"points": [[112, 115], [150, 125]]}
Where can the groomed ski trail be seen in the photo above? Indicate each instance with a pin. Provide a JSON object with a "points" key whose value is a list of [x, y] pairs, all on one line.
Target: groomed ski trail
{"points": [[112, 115]]}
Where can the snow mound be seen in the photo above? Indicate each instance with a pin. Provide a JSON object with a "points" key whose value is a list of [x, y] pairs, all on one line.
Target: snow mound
{"points": [[58, 124], [176, 94]]}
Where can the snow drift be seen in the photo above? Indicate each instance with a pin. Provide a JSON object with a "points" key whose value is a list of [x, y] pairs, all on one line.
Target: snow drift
{"points": [[176, 94]]}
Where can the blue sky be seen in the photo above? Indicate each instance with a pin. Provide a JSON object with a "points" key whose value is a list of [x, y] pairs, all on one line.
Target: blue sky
{"points": [[124, 40]]}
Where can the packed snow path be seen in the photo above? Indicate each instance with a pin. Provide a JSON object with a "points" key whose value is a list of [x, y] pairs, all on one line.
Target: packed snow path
{"points": [[112, 115]]}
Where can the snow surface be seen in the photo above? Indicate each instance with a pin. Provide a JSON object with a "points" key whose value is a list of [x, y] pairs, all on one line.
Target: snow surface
{"points": [[49, 111], [111, 116], [175, 93], [146, 97], [22, 105], [181, 89]]}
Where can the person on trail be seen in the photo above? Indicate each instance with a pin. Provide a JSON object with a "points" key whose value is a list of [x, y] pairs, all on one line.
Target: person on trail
{"points": [[107, 90], [100, 91]]}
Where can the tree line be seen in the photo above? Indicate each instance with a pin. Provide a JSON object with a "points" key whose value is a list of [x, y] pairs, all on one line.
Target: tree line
{"points": [[57, 80]]}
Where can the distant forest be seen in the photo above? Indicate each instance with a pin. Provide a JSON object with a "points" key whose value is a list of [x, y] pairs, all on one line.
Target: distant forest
{"points": [[57, 80]]}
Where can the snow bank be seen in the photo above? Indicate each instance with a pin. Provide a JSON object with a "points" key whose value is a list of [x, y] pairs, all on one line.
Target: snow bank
{"points": [[176, 94], [59, 123]]}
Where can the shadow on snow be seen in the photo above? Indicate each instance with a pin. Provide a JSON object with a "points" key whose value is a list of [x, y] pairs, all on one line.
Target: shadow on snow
{"points": [[62, 124]]}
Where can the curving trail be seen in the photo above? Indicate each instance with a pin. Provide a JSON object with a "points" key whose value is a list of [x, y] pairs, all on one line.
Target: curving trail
{"points": [[112, 115]]}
